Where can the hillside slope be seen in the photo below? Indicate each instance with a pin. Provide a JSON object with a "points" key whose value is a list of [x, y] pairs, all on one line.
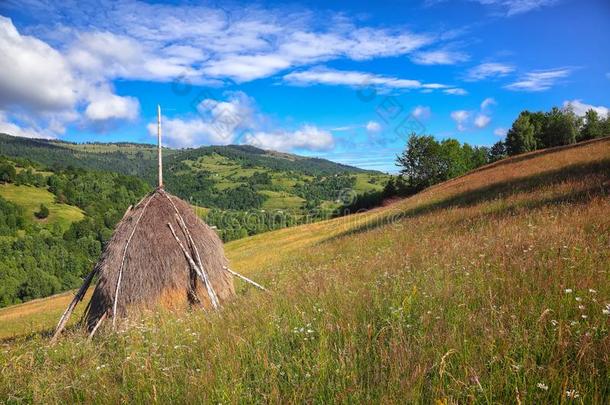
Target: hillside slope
{"points": [[237, 177], [492, 288]]}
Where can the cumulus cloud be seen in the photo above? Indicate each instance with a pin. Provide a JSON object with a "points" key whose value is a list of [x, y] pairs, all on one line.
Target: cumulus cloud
{"points": [[581, 108], [307, 137], [539, 80], [34, 74], [488, 70], [112, 107], [373, 127], [53, 89], [421, 112], [481, 121], [460, 117]]}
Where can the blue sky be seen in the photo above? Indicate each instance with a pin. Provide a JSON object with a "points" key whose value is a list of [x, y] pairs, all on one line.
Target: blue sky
{"points": [[342, 80]]}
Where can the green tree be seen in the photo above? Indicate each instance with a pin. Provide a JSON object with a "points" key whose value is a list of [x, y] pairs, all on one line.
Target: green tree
{"points": [[7, 173], [43, 212], [421, 162], [497, 152], [520, 138], [593, 126], [561, 127]]}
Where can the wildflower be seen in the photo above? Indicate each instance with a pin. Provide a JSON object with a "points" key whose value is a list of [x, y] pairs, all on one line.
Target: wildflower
{"points": [[581, 307], [578, 299], [542, 386], [606, 311], [554, 322], [572, 394], [568, 290], [592, 291], [584, 316]]}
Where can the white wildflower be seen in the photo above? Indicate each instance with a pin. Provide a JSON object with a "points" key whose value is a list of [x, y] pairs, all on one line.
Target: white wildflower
{"points": [[572, 394], [568, 291], [542, 386], [578, 299]]}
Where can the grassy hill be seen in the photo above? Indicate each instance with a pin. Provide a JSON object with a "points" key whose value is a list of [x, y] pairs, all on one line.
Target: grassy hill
{"points": [[489, 288], [213, 176], [30, 198]]}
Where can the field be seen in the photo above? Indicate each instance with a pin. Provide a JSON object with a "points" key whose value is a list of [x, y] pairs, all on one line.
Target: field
{"points": [[30, 199], [490, 288]]}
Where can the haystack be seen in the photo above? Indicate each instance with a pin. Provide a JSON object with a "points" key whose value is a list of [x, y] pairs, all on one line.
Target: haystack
{"points": [[160, 255], [144, 264]]}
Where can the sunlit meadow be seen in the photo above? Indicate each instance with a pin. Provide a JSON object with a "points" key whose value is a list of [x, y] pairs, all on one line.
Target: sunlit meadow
{"points": [[490, 288]]}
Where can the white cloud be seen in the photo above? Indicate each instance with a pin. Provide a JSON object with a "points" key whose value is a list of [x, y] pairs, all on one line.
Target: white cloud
{"points": [[501, 132], [489, 101], [240, 42], [193, 132], [460, 117], [10, 128], [455, 91], [539, 80], [488, 70], [421, 112], [439, 57], [481, 121], [514, 7], [323, 75], [373, 127], [112, 107], [581, 108], [33, 74], [308, 137]]}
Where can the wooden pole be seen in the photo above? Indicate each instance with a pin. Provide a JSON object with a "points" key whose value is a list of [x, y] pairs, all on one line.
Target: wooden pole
{"points": [[246, 279], [194, 266], [159, 146], [78, 297]]}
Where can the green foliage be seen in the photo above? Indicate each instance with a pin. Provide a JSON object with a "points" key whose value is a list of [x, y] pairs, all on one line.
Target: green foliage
{"points": [[11, 218], [561, 128], [43, 212], [7, 172], [426, 161], [43, 259], [593, 126], [521, 137], [497, 152]]}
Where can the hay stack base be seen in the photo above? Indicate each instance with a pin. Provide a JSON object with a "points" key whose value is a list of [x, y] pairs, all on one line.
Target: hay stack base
{"points": [[160, 255]]}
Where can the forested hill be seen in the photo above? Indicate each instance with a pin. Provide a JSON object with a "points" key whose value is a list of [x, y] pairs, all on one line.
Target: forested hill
{"points": [[140, 159]]}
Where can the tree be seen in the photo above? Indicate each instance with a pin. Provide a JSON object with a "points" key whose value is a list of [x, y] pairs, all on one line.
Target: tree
{"points": [[497, 152], [43, 212], [7, 173], [592, 127], [520, 138], [561, 127], [421, 162]]}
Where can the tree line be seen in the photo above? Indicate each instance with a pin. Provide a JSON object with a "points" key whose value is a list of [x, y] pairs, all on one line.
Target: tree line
{"points": [[557, 127]]}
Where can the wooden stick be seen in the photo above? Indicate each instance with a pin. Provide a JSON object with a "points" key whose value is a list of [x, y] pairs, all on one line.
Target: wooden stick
{"points": [[77, 298], [208, 284], [118, 283], [97, 325], [159, 146], [191, 262], [246, 279]]}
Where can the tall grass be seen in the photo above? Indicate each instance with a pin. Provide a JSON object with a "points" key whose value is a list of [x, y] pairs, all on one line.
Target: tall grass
{"points": [[493, 288]]}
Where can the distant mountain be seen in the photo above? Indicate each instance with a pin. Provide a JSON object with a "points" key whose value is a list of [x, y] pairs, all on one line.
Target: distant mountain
{"points": [[237, 177], [140, 159]]}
